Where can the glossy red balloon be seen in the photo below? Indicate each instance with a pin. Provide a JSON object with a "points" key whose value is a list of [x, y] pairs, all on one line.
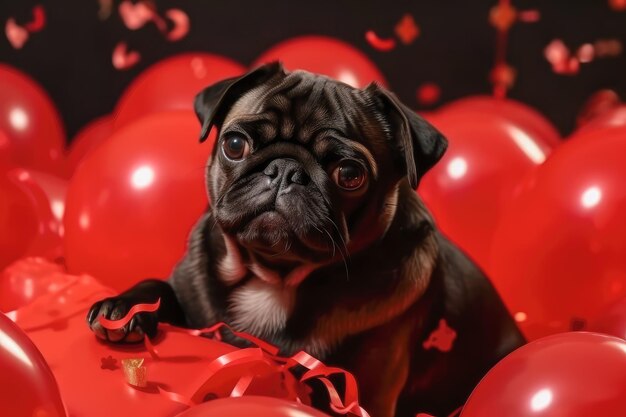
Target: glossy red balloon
{"points": [[131, 204], [6, 152], [172, 84], [565, 375], [27, 216], [470, 187], [252, 406], [30, 123], [327, 56], [612, 320], [27, 386], [611, 118], [86, 140], [518, 113], [558, 254]]}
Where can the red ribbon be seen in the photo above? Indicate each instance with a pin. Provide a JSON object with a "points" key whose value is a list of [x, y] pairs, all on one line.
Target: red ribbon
{"points": [[264, 354], [136, 309]]}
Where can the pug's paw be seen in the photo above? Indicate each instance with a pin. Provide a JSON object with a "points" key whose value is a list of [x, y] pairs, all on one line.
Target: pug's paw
{"points": [[115, 308]]}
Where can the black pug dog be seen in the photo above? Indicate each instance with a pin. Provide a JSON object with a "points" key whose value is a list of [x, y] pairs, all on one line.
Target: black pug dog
{"points": [[316, 240]]}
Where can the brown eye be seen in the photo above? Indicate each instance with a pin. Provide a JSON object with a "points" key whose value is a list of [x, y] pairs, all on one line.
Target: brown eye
{"points": [[235, 147], [349, 175]]}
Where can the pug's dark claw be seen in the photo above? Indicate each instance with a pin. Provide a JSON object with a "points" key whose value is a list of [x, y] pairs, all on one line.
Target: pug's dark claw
{"points": [[115, 309]]}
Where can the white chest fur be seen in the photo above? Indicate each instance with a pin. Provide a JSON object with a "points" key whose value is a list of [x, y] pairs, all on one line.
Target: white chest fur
{"points": [[261, 308]]}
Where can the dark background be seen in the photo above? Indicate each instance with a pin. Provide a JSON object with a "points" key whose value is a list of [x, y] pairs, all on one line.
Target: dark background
{"points": [[71, 56]]}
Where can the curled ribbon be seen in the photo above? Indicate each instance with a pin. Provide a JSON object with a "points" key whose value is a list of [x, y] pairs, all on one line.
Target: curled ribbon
{"points": [[265, 357], [136, 309]]}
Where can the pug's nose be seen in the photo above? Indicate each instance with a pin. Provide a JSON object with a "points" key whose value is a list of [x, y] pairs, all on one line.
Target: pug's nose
{"points": [[285, 172]]}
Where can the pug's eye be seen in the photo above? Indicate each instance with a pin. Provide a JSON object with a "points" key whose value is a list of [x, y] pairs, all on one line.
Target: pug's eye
{"points": [[349, 175], [235, 147]]}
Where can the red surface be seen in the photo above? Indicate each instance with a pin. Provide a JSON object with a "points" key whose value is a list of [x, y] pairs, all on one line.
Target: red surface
{"points": [[252, 406]]}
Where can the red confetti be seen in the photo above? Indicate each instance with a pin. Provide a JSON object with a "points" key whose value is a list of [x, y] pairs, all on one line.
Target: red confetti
{"points": [[105, 9], [558, 54], [122, 58], [428, 93], [109, 363], [442, 338], [15, 33], [135, 16], [39, 20], [618, 5], [502, 16], [608, 47], [378, 43], [503, 75], [181, 24], [586, 53], [406, 29], [529, 16]]}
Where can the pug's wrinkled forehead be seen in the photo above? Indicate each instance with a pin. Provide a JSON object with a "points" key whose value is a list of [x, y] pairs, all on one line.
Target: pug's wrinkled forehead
{"points": [[314, 111], [274, 105]]}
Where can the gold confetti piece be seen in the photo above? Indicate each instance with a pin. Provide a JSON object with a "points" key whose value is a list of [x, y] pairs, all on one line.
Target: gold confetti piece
{"points": [[135, 372]]}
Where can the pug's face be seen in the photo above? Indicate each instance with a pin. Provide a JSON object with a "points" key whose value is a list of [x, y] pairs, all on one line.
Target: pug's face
{"points": [[305, 169]]}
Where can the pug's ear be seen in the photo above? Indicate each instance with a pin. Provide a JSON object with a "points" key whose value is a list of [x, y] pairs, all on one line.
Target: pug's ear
{"points": [[420, 144], [212, 103]]}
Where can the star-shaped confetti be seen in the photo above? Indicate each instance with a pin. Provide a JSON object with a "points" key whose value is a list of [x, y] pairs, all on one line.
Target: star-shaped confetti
{"points": [[109, 363], [406, 29]]}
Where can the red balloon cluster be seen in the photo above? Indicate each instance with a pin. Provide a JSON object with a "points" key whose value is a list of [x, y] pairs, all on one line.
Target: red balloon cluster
{"points": [[493, 144], [544, 219], [137, 175], [133, 201], [558, 254]]}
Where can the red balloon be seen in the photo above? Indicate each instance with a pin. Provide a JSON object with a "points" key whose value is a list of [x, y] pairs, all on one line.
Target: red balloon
{"points": [[27, 386], [133, 201], [25, 280], [469, 188], [27, 216], [558, 254], [32, 132], [87, 139], [609, 119], [598, 104], [565, 375], [172, 84], [327, 56], [521, 115], [252, 406], [612, 320]]}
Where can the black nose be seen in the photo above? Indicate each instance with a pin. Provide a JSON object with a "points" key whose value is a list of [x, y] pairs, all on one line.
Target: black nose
{"points": [[285, 172]]}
